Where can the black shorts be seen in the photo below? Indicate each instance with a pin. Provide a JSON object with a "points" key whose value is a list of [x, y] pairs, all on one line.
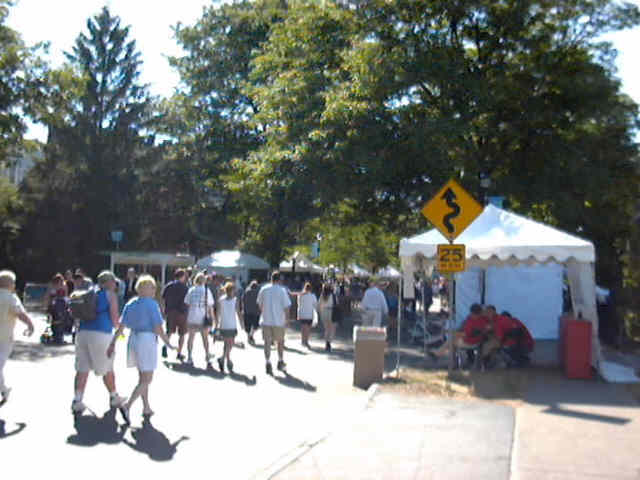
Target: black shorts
{"points": [[251, 320], [305, 322], [228, 332]]}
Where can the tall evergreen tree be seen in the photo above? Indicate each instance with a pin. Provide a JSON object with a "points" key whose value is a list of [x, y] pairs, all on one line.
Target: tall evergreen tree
{"points": [[97, 112]]}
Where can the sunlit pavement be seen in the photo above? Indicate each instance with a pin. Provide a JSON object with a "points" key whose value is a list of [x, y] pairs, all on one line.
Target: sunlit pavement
{"points": [[206, 423]]}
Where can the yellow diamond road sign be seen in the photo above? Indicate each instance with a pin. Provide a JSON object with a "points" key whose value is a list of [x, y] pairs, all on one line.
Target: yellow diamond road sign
{"points": [[452, 210], [451, 258]]}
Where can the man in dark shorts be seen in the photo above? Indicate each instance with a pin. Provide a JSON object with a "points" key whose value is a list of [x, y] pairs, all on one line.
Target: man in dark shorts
{"points": [[176, 310], [250, 310]]}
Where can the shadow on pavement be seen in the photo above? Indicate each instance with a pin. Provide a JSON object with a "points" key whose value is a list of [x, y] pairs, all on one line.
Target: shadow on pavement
{"points": [[345, 354], [286, 349], [194, 371], [92, 430], [20, 426], [152, 442], [550, 387], [34, 352], [555, 410], [290, 381], [294, 350], [239, 377]]}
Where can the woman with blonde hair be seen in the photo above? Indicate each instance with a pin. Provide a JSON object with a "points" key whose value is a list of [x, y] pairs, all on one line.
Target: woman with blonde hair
{"points": [[142, 316], [200, 317], [227, 322]]}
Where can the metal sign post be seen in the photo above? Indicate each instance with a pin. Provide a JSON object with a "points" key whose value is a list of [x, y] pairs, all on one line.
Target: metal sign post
{"points": [[452, 321], [451, 211], [400, 308]]}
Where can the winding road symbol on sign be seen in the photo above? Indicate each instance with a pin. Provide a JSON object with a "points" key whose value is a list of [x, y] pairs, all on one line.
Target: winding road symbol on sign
{"points": [[450, 197], [451, 210]]}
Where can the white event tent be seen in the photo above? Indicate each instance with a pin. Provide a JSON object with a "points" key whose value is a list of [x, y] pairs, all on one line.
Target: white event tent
{"points": [[232, 263], [151, 259], [389, 272], [303, 265], [518, 265], [358, 271]]}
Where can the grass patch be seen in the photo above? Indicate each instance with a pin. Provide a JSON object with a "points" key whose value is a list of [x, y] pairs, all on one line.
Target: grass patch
{"points": [[429, 382], [499, 384]]}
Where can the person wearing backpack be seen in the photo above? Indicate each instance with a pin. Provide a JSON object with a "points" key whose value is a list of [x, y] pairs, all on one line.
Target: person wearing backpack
{"points": [[93, 339]]}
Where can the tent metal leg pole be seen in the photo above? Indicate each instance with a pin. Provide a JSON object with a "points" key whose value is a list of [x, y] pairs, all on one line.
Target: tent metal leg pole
{"points": [[451, 321], [399, 315]]}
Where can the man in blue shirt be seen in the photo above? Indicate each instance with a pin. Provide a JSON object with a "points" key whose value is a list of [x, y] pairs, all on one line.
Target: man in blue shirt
{"points": [[92, 340]]}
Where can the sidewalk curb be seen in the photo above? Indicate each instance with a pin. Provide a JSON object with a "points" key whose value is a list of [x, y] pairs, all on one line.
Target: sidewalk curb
{"points": [[513, 464], [290, 457]]}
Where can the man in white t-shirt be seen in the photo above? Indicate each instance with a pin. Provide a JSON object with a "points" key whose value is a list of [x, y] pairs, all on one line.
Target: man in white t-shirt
{"points": [[374, 305], [274, 303], [10, 309]]}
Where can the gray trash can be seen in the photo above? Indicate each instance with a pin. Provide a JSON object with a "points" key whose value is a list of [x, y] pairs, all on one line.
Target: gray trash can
{"points": [[368, 365]]}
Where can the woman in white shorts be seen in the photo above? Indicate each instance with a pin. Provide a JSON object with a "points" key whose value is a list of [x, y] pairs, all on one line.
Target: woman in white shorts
{"points": [[200, 301], [227, 322], [142, 316]]}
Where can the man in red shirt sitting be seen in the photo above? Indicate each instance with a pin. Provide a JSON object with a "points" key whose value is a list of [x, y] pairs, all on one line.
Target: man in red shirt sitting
{"points": [[473, 331], [515, 339]]}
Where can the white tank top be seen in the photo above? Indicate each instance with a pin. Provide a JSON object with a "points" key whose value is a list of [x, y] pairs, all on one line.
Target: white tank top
{"points": [[227, 308]]}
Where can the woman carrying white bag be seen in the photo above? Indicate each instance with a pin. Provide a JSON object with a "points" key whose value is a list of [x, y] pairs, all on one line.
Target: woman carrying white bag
{"points": [[142, 316], [228, 321]]}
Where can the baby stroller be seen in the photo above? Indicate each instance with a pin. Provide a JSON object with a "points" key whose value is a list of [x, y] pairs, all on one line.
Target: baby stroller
{"points": [[429, 331], [60, 321]]}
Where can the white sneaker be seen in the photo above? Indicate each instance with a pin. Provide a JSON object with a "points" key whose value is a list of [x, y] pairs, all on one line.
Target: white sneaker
{"points": [[5, 395], [117, 401], [77, 406]]}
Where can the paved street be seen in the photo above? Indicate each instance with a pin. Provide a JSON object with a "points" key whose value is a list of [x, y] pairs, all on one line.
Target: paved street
{"points": [[570, 429], [309, 424], [237, 426], [414, 437]]}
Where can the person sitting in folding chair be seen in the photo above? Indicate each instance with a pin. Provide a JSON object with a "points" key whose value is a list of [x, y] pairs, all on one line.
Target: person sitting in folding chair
{"points": [[470, 337], [516, 342]]}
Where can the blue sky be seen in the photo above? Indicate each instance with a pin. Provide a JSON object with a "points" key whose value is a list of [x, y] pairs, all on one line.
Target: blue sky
{"points": [[151, 22]]}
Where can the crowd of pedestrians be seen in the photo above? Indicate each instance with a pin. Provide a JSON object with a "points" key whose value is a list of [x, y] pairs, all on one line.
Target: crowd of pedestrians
{"points": [[193, 304]]}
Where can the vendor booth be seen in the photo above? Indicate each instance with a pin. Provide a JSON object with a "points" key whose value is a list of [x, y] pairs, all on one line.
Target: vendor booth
{"points": [[149, 260], [518, 265], [358, 271], [233, 263], [389, 272], [302, 265]]}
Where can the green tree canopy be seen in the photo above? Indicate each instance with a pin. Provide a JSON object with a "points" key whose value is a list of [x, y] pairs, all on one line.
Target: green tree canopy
{"points": [[383, 102]]}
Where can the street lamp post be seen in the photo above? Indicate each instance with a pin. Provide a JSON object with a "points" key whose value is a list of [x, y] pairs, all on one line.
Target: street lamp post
{"points": [[116, 237], [485, 184]]}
